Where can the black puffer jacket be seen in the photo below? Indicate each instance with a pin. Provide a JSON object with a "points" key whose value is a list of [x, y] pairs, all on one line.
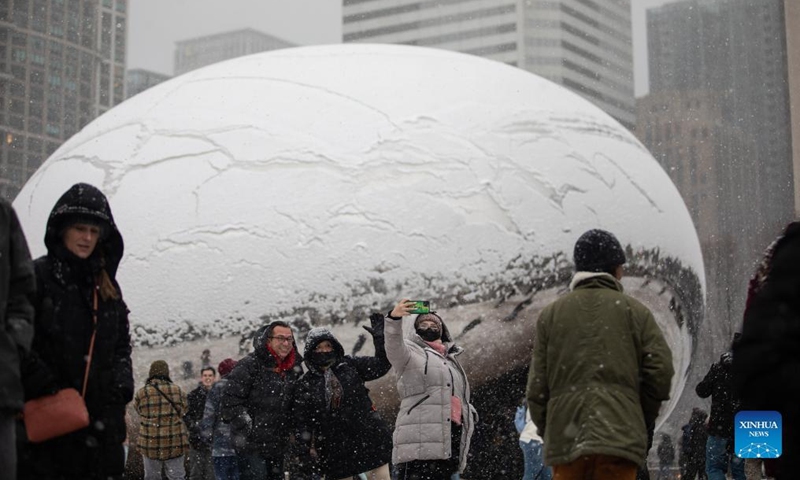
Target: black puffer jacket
{"points": [[256, 401], [16, 311], [352, 438], [63, 330]]}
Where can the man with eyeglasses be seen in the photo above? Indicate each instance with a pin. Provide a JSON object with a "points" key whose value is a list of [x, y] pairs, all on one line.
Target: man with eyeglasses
{"points": [[256, 401]]}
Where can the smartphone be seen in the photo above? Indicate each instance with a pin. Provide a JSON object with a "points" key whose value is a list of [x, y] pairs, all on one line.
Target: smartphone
{"points": [[421, 306]]}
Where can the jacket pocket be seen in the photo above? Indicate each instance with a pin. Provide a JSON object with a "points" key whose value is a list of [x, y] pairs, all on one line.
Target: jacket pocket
{"points": [[417, 404]]}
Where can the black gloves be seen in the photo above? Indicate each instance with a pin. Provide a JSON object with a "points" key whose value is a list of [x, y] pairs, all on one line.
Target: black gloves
{"points": [[376, 322]]}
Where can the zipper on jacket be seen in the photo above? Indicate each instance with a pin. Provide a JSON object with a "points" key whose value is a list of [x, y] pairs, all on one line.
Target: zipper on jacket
{"points": [[426, 362], [417, 404], [452, 382]]}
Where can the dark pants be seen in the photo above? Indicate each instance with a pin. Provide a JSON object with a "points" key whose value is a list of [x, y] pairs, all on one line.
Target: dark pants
{"points": [[226, 468], [200, 465], [8, 444], [434, 469], [78, 456], [257, 466]]}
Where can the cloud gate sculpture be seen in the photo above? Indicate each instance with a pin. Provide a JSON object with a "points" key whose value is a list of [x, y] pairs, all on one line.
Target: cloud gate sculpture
{"points": [[319, 184]]}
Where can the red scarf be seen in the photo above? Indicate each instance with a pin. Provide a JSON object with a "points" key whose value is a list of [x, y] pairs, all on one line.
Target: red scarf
{"points": [[282, 365]]}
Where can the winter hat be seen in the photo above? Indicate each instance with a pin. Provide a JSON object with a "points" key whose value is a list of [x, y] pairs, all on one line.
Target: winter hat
{"points": [[597, 251], [159, 368], [226, 366], [428, 316], [83, 203]]}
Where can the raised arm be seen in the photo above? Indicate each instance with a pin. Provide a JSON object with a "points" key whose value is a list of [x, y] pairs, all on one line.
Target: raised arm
{"points": [[396, 348], [370, 368]]}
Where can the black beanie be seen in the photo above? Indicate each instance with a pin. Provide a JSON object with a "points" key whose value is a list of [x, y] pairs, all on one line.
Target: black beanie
{"points": [[598, 251]]}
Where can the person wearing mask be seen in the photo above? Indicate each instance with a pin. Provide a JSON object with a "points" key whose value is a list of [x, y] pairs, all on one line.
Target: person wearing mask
{"points": [[599, 372], [766, 360], [436, 421], [339, 432], [718, 384], [162, 440], [215, 432], [79, 308], [201, 466], [257, 400], [17, 285]]}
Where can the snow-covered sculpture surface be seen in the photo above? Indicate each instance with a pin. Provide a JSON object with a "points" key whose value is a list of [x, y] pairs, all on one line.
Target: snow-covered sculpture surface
{"points": [[318, 184]]}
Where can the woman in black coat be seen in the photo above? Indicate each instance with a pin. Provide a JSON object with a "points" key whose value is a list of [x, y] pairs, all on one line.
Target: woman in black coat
{"points": [[766, 360], [339, 433], [76, 277]]}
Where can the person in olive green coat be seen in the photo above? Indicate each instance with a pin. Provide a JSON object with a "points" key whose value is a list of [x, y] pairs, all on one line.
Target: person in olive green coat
{"points": [[600, 370]]}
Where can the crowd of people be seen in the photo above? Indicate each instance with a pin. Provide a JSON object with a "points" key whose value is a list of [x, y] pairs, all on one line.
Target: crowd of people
{"points": [[599, 372]]}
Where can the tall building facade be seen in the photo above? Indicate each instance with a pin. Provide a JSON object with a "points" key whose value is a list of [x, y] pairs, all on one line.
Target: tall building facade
{"points": [[792, 16], [62, 63], [711, 165], [139, 80], [719, 67], [736, 48], [199, 52], [584, 45]]}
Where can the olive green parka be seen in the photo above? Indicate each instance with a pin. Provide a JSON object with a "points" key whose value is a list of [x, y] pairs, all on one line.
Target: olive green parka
{"points": [[599, 372]]}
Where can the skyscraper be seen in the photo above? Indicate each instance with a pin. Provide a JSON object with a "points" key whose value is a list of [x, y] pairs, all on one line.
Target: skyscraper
{"points": [[736, 48], [199, 52], [62, 63], [719, 67], [584, 45], [139, 80], [792, 16]]}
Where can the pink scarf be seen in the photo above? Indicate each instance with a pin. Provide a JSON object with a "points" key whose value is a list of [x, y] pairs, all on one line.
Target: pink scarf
{"points": [[455, 402]]}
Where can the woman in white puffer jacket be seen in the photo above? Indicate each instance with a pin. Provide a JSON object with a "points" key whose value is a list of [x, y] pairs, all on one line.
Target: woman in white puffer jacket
{"points": [[436, 420]]}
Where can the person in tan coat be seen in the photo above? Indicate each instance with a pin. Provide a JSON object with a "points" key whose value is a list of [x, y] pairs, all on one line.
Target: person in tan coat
{"points": [[163, 439]]}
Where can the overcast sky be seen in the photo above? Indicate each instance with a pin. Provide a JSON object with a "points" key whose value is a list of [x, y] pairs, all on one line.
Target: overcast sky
{"points": [[155, 25]]}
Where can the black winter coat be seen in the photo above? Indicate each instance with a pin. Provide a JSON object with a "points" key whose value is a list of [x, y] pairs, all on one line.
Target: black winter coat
{"points": [[718, 384], [352, 438], [196, 400], [63, 330], [16, 312], [256, 401], [767, 359]]}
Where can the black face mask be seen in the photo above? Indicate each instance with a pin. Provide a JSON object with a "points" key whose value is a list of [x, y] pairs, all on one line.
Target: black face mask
{"points": [[429, 334], [322, 359]]}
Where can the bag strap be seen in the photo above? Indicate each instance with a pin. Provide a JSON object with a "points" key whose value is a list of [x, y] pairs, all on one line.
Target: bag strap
{"points": [[91, 342], [168, 399]]}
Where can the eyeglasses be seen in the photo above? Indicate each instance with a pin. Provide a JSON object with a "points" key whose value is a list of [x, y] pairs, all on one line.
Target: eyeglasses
{"points": [[283, 339]]}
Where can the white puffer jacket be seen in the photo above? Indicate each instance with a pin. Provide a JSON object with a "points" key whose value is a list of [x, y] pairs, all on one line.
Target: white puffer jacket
{"points": [[425, 383]]}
